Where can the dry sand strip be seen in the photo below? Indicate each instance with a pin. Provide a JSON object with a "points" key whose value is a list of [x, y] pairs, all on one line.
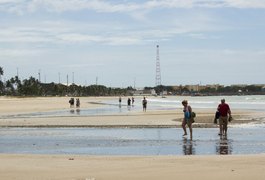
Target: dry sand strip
{"points": [[75, 167]]}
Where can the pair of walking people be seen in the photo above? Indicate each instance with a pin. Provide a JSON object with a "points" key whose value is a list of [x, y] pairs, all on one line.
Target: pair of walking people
{"points": [[72, 102], [224, 116]]}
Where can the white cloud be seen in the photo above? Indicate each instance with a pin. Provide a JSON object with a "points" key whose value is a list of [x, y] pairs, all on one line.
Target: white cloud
{"points": [[13, 35], [9, 1], [59, 34], [18, 53], [197, 35], [246, 3], [24, 6], [111, 33], [74, 37]]}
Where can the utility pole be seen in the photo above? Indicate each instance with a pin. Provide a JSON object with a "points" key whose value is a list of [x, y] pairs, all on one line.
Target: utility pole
{"points": [[67, 79], [17, 73], [134, 83], [39, 75], [59, 77], [73, 77], [158, 72]]}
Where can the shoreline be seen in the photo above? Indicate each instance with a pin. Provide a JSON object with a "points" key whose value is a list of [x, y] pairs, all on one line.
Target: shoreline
{"points": [[131, 167], [25, 114]]}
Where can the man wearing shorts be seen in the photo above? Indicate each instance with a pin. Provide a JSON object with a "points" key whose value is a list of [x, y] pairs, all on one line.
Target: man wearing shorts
{"points": [[225, 115]]}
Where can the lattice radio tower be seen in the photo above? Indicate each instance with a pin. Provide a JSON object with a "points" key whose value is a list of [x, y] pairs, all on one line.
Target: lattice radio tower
{"points": [[158, 72]]}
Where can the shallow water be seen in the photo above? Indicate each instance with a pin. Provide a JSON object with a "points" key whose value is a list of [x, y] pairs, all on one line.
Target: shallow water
{"points": [[130, 141], [250, 102], [110, 107]]}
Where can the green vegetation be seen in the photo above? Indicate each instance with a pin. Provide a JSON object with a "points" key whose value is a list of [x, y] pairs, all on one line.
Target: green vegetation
{"points": [[32, 87]]}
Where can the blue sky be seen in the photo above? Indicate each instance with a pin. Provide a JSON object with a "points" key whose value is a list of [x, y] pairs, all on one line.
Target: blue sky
{"points": [[200, 41]]}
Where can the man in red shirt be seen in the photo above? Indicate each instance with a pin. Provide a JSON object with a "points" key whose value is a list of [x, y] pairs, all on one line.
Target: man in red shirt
{"points": [[225, 115]]}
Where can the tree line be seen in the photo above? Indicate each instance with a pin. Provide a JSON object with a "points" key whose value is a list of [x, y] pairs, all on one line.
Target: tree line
{"points": [[33, 87]]}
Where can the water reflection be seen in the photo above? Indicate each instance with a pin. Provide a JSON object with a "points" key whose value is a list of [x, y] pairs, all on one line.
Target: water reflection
{"points": [[129, 141], [77, 111], [224, 146], [72, 111], [187, 147]]}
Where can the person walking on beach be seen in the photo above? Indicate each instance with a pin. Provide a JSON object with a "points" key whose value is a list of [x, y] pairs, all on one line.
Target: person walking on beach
{"points": [[225, 116], [187, 120], [72, 102], [120, 102], [129, 102], [144, 102], [132, 100], [77, 103]]}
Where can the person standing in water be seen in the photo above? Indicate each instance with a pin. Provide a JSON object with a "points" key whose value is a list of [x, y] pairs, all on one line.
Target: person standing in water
{"points": [[187, 120], [129, 102], [225, 116], [120, 101], [144, 102], [77, 103], [132, 100]]}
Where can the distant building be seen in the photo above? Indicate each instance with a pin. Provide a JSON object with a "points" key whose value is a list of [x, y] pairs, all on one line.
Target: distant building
{"points": [[138, 92], [197, 87], [153, 92], [263, 89], [148, 91], [213, 86], [239, 85], [144, 92]]}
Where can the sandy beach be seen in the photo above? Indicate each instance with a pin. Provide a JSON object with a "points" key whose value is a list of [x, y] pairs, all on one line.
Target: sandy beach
{"points": [[85, 167], [68, 167], [151, 118]]}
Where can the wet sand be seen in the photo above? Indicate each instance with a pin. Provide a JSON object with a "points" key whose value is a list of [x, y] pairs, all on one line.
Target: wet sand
{"points": [[10, 108], [73, 167]]}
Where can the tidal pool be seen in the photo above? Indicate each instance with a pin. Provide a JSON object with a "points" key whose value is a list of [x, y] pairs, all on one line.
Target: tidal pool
{"points": [[130, 141]]}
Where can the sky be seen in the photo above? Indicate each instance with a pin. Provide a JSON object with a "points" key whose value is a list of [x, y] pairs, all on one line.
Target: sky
{"points": [[114, 42]]}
